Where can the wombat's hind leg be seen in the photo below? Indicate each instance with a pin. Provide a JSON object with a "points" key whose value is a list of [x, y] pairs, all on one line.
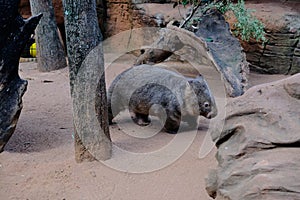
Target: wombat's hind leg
{"points": [[141, 119], [171, 126]]}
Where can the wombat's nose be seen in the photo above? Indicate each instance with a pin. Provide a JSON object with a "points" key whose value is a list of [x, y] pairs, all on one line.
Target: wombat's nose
{"points": [[208, 116]]}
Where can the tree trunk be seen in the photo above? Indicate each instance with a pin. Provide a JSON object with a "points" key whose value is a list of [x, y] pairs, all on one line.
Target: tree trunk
{"points": [[87, 80], [50, 52], [14, 33]]}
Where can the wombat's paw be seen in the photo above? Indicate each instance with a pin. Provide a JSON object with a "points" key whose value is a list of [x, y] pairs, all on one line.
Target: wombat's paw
{"points": [[171, 127], [141, 121], [171, 131], [111, 122], [192, 122]]}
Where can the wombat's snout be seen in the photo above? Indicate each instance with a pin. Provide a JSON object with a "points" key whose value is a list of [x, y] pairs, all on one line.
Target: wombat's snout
{"points": [[211, 114]]}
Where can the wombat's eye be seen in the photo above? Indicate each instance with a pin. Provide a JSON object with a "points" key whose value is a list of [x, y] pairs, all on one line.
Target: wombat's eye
{"points": [[206, 104]]}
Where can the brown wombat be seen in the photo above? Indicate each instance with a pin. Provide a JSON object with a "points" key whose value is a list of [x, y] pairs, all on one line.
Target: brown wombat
{"points": [[143, 87]]}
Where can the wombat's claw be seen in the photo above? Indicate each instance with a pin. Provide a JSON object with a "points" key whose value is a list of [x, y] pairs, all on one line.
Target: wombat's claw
{"points": [[140, 121]]}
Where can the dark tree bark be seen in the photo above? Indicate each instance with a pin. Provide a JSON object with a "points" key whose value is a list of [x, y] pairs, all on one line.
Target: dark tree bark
{"points": [[87, 80], [50, 52], [14, 33]]}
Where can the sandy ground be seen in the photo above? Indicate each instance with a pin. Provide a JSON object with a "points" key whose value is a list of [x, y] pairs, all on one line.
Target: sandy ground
{"points": [[38, 162]]}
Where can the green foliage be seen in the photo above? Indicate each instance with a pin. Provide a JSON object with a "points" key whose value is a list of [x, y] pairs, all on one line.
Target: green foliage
{"points": [[186, 2], [247, 26]]}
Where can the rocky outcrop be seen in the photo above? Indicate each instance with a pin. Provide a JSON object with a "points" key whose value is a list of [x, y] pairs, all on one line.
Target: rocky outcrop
{"points": [[259, 145], [281, 53]]}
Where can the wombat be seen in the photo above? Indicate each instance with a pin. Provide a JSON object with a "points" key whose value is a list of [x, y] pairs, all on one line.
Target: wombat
{"points": [[143, 87]]}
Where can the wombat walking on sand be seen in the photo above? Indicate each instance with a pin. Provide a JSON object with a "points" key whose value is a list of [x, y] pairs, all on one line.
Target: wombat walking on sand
{"points": [[143, 87]]}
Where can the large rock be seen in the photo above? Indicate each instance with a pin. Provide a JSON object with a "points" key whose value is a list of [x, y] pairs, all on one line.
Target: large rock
{"points": [[280, 54], [259, 145]]}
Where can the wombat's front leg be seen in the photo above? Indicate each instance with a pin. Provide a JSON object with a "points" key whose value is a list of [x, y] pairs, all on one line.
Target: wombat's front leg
{"points": [[191, 120], [110, 116]]}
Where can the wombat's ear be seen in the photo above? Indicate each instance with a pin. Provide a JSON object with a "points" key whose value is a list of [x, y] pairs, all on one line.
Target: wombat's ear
{"points": [[191, 81]]}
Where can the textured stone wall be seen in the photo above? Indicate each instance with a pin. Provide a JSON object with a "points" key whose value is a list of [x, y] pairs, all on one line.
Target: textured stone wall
{"points": [[281, 52], [279, 55]]}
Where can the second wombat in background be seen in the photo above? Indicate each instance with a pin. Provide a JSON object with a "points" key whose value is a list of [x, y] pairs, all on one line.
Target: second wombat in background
{"points": [[143, 87]]}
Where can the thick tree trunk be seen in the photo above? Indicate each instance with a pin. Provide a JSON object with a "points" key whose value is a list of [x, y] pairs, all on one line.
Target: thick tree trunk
{"points": [[50, 52], [14, 33], [87, 80]]}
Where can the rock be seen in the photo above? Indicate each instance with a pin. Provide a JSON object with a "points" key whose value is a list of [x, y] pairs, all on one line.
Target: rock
{"points": [[12, 41], [280, 54], [259, 146]]}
